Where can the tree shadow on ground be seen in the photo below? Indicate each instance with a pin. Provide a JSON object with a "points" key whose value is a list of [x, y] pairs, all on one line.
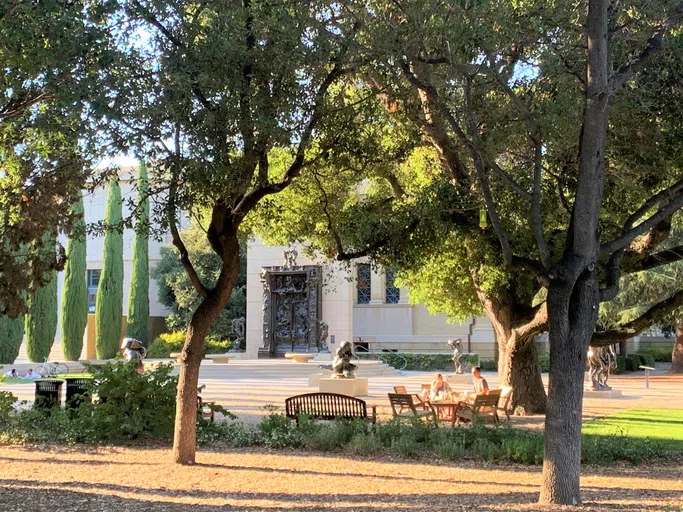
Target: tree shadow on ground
{"points": [[36, 493]]}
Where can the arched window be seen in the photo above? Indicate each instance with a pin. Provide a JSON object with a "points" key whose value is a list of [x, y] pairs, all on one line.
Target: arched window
{"points": [[363, 283], [392, 293]]}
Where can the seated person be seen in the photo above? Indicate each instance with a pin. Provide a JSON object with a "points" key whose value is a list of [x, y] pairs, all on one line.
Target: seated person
{"points": [[481, 387], [12, 374], [31, 374], [440, 389]]}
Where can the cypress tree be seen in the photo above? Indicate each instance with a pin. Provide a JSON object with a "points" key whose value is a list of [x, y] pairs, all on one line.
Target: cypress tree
{"points": [[109, 299], [11, 336], [138, 300], [41, 319], [74, 312]]}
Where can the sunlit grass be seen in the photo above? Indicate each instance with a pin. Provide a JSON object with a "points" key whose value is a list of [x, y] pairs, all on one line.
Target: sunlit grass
{"points": [[665, 425]]}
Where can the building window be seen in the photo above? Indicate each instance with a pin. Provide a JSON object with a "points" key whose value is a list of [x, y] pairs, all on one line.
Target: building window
{"points": [[93, 279], [363, 283], [393, 294]]}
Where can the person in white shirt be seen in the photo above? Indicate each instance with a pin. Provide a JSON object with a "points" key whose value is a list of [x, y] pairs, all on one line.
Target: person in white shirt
{"points": [[12, 374], [32, 375]]}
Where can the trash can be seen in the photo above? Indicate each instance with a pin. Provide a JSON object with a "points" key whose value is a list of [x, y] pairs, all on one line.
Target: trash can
{"points": [[48, 393], [76, 391]]}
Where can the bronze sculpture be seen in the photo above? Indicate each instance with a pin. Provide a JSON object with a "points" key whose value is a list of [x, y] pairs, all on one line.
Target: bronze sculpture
{"points": [[238, 331], [456, 345], [601, 361], [342, 366]]}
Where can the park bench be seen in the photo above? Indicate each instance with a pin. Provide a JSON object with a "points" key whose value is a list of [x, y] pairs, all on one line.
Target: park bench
{"points": [[402, 406], [504, 402], [484, 407], [218, 358], [328, 406]]}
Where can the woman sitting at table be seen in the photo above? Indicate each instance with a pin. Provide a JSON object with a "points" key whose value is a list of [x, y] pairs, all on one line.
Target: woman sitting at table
{"points": [[440, 389]]}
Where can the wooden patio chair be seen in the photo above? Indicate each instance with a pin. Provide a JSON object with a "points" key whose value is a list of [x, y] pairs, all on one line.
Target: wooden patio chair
{"points": [[404, 402], [417, 399], [504, 402], [484, 407]]}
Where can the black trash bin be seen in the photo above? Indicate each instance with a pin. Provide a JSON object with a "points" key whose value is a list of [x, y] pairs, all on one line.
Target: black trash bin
{"points": [[76, 391], [48, 393]]}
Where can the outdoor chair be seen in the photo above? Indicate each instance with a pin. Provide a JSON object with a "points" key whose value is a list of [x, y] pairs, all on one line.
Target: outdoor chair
{"points": [[484, 408], [417, 399], [504, 401], [404, 402]]}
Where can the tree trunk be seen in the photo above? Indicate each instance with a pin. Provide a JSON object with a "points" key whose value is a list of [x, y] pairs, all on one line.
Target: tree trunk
{"points": [[677, 354], [185, 434], [572, 312], [518, 365], [519, 368]]}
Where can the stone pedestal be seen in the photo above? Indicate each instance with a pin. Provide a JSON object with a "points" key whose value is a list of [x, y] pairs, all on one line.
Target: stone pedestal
{"points": [[349, 387], [459, 379], [314, 379], [612, 393]]}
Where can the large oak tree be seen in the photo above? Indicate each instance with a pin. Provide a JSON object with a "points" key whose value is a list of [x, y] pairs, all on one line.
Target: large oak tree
{"points": [[219, 89]]}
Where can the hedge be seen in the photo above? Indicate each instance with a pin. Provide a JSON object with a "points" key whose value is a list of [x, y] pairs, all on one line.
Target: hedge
{"points": [[660, 355], [646, 360], [632, 363], [162, 346], [423, 362]]}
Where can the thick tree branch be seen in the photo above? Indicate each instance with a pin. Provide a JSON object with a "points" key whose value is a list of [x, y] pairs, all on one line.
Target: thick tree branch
{"points": [[658, 259], [535, 323], [663, 213], [653, 315], [252, 199], [653, 47]]}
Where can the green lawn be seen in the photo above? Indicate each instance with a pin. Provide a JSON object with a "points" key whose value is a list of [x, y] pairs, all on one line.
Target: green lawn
{"points": [[31, 381], [665, 425]]}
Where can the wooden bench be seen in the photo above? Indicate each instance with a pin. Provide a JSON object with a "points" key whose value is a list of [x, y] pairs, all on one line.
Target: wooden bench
{"points": [[328, 406], [504, 402], [299, 358], [484, 407], [402, 406], [219, 358]]}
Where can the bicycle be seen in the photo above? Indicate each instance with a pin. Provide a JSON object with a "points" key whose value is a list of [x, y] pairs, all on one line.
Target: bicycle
{"points": [[52, 369]]}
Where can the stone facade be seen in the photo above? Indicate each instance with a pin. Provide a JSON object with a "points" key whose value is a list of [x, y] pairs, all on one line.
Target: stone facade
{"points": [[381, 325]]}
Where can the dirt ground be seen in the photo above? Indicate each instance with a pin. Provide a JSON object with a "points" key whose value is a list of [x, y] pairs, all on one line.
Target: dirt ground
{"points": [[128, 478]]}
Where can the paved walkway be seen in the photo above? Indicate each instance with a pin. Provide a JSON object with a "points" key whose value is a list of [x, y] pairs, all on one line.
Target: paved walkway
{"points": [[231, 386]]}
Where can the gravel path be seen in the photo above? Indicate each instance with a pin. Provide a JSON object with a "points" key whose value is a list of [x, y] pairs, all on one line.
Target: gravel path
{"points": [[129, 478]]}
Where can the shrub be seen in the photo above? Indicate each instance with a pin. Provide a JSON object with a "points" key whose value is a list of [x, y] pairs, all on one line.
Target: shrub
{"points": [[621, 366], [450, 450], [660, 355], [278, 431], [363, 444], [600, 449], [544, 361], [489, 365], [632, 363], [130, 405], [7, 401], [646, 360], [406, 446], [165, 344]]}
